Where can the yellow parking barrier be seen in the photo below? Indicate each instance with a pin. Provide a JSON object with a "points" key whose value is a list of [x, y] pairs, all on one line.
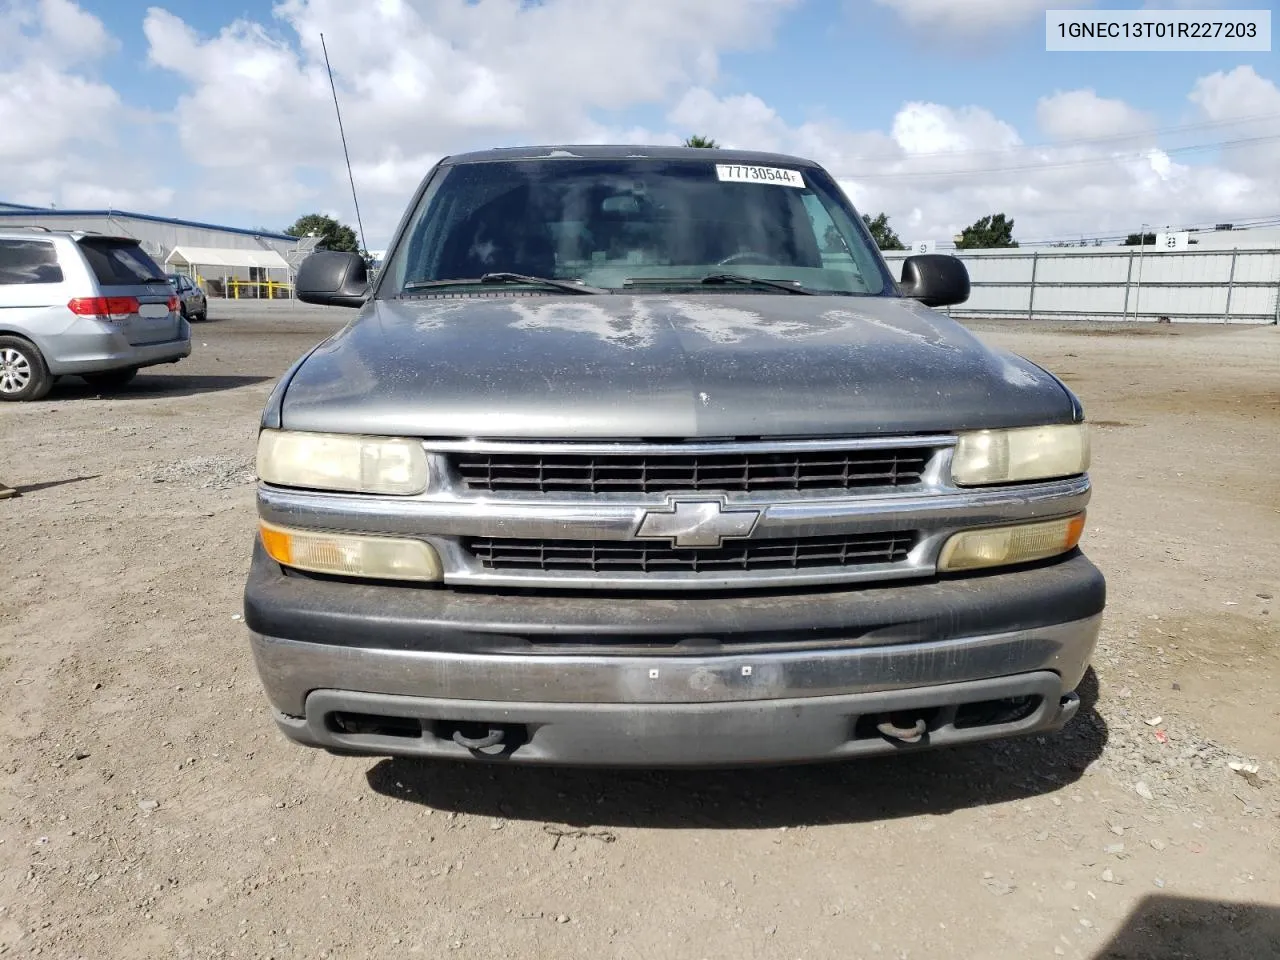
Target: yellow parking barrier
{"points": [[265, 289]]}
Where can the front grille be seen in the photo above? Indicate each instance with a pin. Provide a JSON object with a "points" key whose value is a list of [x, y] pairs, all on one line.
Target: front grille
{"points": [[611, 556], [745, 472]]}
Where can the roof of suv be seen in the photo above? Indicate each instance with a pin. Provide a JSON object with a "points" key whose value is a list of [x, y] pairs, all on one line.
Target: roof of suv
{"points": [[24, 232], [621, 151]]}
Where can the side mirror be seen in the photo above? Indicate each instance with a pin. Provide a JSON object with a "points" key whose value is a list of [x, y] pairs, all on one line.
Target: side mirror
{"points": [[333, 279], [935, 279]]}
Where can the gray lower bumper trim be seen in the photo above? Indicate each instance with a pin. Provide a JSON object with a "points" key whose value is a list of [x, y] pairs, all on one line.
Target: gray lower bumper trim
{"points": [[690, 734], [290, 670]]}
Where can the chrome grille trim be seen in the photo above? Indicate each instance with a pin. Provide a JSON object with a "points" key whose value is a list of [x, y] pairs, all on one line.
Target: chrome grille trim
{"points": [[445, 517], [665, 448], [811, 472]]}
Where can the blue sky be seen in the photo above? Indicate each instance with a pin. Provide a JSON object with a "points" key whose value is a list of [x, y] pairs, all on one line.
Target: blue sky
{"points": [[230, 123]]}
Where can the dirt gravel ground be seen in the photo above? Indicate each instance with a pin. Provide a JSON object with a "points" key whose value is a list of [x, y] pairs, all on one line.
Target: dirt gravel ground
{"points": [[150, 809]]}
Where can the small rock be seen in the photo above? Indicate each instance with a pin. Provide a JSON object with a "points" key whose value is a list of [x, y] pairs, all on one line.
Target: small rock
{"points": [[1157, 844], [563, 918], [97, 686], [1159, 883], [1153, 722], [1086, 922], [1115, 849], [148, 805], [1124, 693], [80, 755], [1142, 790], [1264, 596], [771, 930], [997, 887], [1117, 830], [236, 616], [1175, 685]]}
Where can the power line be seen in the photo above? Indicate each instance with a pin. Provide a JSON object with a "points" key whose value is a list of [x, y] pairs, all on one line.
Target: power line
{"points": [[1072, 142], [1058, 164], [1238, 226]]}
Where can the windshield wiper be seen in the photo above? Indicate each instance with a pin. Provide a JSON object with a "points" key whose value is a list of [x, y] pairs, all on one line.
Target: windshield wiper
{"points": [[716, 278], [568, 286]]}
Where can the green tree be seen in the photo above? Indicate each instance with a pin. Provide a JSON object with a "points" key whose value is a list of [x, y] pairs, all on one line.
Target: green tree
{"points": [[987, 233], [882, 233], [705, 143], [333, 235], [1133, 240]]}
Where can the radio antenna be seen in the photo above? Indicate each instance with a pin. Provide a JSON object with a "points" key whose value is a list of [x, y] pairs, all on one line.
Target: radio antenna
{"points": [[345, 153]]}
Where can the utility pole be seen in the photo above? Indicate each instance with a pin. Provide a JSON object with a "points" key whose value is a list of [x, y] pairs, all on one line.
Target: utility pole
{"points": [[1137, 296]]}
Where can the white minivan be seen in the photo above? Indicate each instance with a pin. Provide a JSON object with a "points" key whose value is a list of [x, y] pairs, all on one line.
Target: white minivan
{"points": [[83, 304]]}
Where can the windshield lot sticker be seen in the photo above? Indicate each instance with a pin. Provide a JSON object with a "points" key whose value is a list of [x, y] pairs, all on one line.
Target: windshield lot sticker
{"points": [[736, 173]]}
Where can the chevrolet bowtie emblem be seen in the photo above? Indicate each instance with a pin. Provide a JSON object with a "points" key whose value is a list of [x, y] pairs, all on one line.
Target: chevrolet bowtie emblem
{"points": [[696, 523]]}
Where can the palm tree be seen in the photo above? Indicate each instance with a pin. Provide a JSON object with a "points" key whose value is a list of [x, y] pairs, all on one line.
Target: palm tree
{"points": [[705, 143]]}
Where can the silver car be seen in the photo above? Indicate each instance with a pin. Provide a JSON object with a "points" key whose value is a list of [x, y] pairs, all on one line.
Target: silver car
{"points": [[191, 299], [85, 304]]}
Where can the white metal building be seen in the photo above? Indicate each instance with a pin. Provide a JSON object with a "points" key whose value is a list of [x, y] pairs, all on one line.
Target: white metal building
{"points": [[226, 261], [1202, 283]]}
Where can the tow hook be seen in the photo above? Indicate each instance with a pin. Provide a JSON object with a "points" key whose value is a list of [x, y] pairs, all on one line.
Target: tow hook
{"points": [[492, 739], [911, 734]]}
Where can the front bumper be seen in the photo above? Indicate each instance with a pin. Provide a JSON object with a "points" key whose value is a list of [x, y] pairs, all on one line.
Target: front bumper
{"points": [[756, 678]]}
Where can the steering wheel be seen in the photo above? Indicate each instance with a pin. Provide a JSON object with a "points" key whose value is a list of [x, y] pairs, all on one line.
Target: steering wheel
{"points": [[748, 256]]}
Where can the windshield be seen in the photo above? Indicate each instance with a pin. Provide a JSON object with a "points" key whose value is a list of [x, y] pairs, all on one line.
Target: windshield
{"points": [[637, 224]]}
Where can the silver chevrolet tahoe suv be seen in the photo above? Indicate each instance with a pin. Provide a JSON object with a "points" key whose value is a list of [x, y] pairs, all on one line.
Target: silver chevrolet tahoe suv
{"points": [[73, 302], [641, 456]]}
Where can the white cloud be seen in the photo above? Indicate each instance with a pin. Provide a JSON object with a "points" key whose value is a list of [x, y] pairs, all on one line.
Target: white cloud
{"points": [[1252, 103], [941, 168], [1082, 114], [60, 125], [421, 78], [42, 110], [948, 17], [71, 34], [1240, 93]]}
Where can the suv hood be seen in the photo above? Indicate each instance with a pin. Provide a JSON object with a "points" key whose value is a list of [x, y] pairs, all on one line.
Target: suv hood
{"points": [[652, 366]]}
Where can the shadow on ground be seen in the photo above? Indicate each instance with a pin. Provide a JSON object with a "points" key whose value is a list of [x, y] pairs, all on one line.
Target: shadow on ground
{"points": [[850, 792], [149, 386], [1174, 928], [49, 484]]}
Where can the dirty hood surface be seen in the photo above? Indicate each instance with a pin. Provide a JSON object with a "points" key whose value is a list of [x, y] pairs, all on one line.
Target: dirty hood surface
{"points": [[651, 366]]}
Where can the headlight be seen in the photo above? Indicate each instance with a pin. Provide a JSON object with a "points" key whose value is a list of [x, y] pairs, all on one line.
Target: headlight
{"points": [[352, 555], [1024, 453], [996, 546], [331, 461]]}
